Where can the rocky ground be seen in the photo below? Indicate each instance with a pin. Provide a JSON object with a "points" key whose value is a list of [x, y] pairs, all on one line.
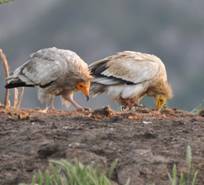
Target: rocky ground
{"points": [[146, 143]]}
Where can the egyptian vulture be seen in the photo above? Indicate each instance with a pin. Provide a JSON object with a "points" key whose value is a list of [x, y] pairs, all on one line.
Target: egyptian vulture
{"points": [[128, 76], [56, 72]]}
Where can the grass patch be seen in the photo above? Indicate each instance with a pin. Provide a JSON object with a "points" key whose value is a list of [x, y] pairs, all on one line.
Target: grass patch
{"points": [[187, 178], [63, 172], [198, 108]]}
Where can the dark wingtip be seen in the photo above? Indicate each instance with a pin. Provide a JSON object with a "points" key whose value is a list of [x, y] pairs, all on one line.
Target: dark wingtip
{"points": [[17, 84], [8, 86]]}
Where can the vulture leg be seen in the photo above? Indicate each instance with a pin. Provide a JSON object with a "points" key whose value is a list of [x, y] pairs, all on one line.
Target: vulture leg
{"points": [[127, 104], [50, 104], [131, 104], [124, 108], [137, 105], [69, 97], [46, 98]]}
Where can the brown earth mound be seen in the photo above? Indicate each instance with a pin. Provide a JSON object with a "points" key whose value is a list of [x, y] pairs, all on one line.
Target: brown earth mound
{"points": [[146, 143]]}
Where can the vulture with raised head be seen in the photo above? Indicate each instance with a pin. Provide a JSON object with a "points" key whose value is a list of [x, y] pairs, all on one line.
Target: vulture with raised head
{"points": [[56, 72], [128, 76]]}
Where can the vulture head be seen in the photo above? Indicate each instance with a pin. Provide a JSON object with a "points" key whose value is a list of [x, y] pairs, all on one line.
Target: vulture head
{"points": [[162, 98], [84, 87]]}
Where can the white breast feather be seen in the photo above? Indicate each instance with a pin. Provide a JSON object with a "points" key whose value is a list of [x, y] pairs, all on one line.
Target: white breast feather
{"points": [[115, 91], [131, 91], [126, 91]]}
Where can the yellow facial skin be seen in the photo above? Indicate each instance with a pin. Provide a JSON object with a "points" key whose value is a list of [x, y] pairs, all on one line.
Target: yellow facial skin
{"points": [[160, 102], [84, 87]]}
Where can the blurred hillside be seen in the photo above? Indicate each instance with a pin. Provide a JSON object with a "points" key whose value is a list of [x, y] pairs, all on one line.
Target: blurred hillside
{"points": [[173, 30]]}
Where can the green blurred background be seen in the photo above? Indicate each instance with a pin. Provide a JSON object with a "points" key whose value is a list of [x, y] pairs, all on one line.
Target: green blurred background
{"points": [[170, 29]]}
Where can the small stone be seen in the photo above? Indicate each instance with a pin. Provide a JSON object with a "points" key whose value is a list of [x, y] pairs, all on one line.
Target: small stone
{"points": [[146, 122]]}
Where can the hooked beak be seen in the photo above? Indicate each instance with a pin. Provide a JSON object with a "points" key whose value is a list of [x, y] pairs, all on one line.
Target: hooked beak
{"points": [[159, 103], [84, 88], [158, 107], [85, 91]]}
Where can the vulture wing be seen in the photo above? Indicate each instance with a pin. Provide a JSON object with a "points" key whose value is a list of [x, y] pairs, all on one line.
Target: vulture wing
{"points": [[127, 67], [41, 69]]}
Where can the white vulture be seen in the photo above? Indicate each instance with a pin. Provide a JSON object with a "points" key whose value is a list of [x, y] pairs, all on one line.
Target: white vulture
{"points": [[128, 76], [56, 72]]}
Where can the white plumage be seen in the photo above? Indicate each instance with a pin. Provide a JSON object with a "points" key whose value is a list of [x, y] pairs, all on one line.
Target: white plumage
{"points": [[128, 76], [55, 72]]}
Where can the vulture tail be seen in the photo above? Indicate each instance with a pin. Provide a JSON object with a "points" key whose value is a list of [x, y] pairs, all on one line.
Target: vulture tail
{"points": [[97, 89]]}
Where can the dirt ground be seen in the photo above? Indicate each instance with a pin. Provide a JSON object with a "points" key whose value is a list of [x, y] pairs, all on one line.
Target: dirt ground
{"points": [[146, 143]]}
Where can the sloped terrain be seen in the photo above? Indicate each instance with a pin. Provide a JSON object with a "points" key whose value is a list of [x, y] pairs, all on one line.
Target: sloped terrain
{"points": [[146, 143]]}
